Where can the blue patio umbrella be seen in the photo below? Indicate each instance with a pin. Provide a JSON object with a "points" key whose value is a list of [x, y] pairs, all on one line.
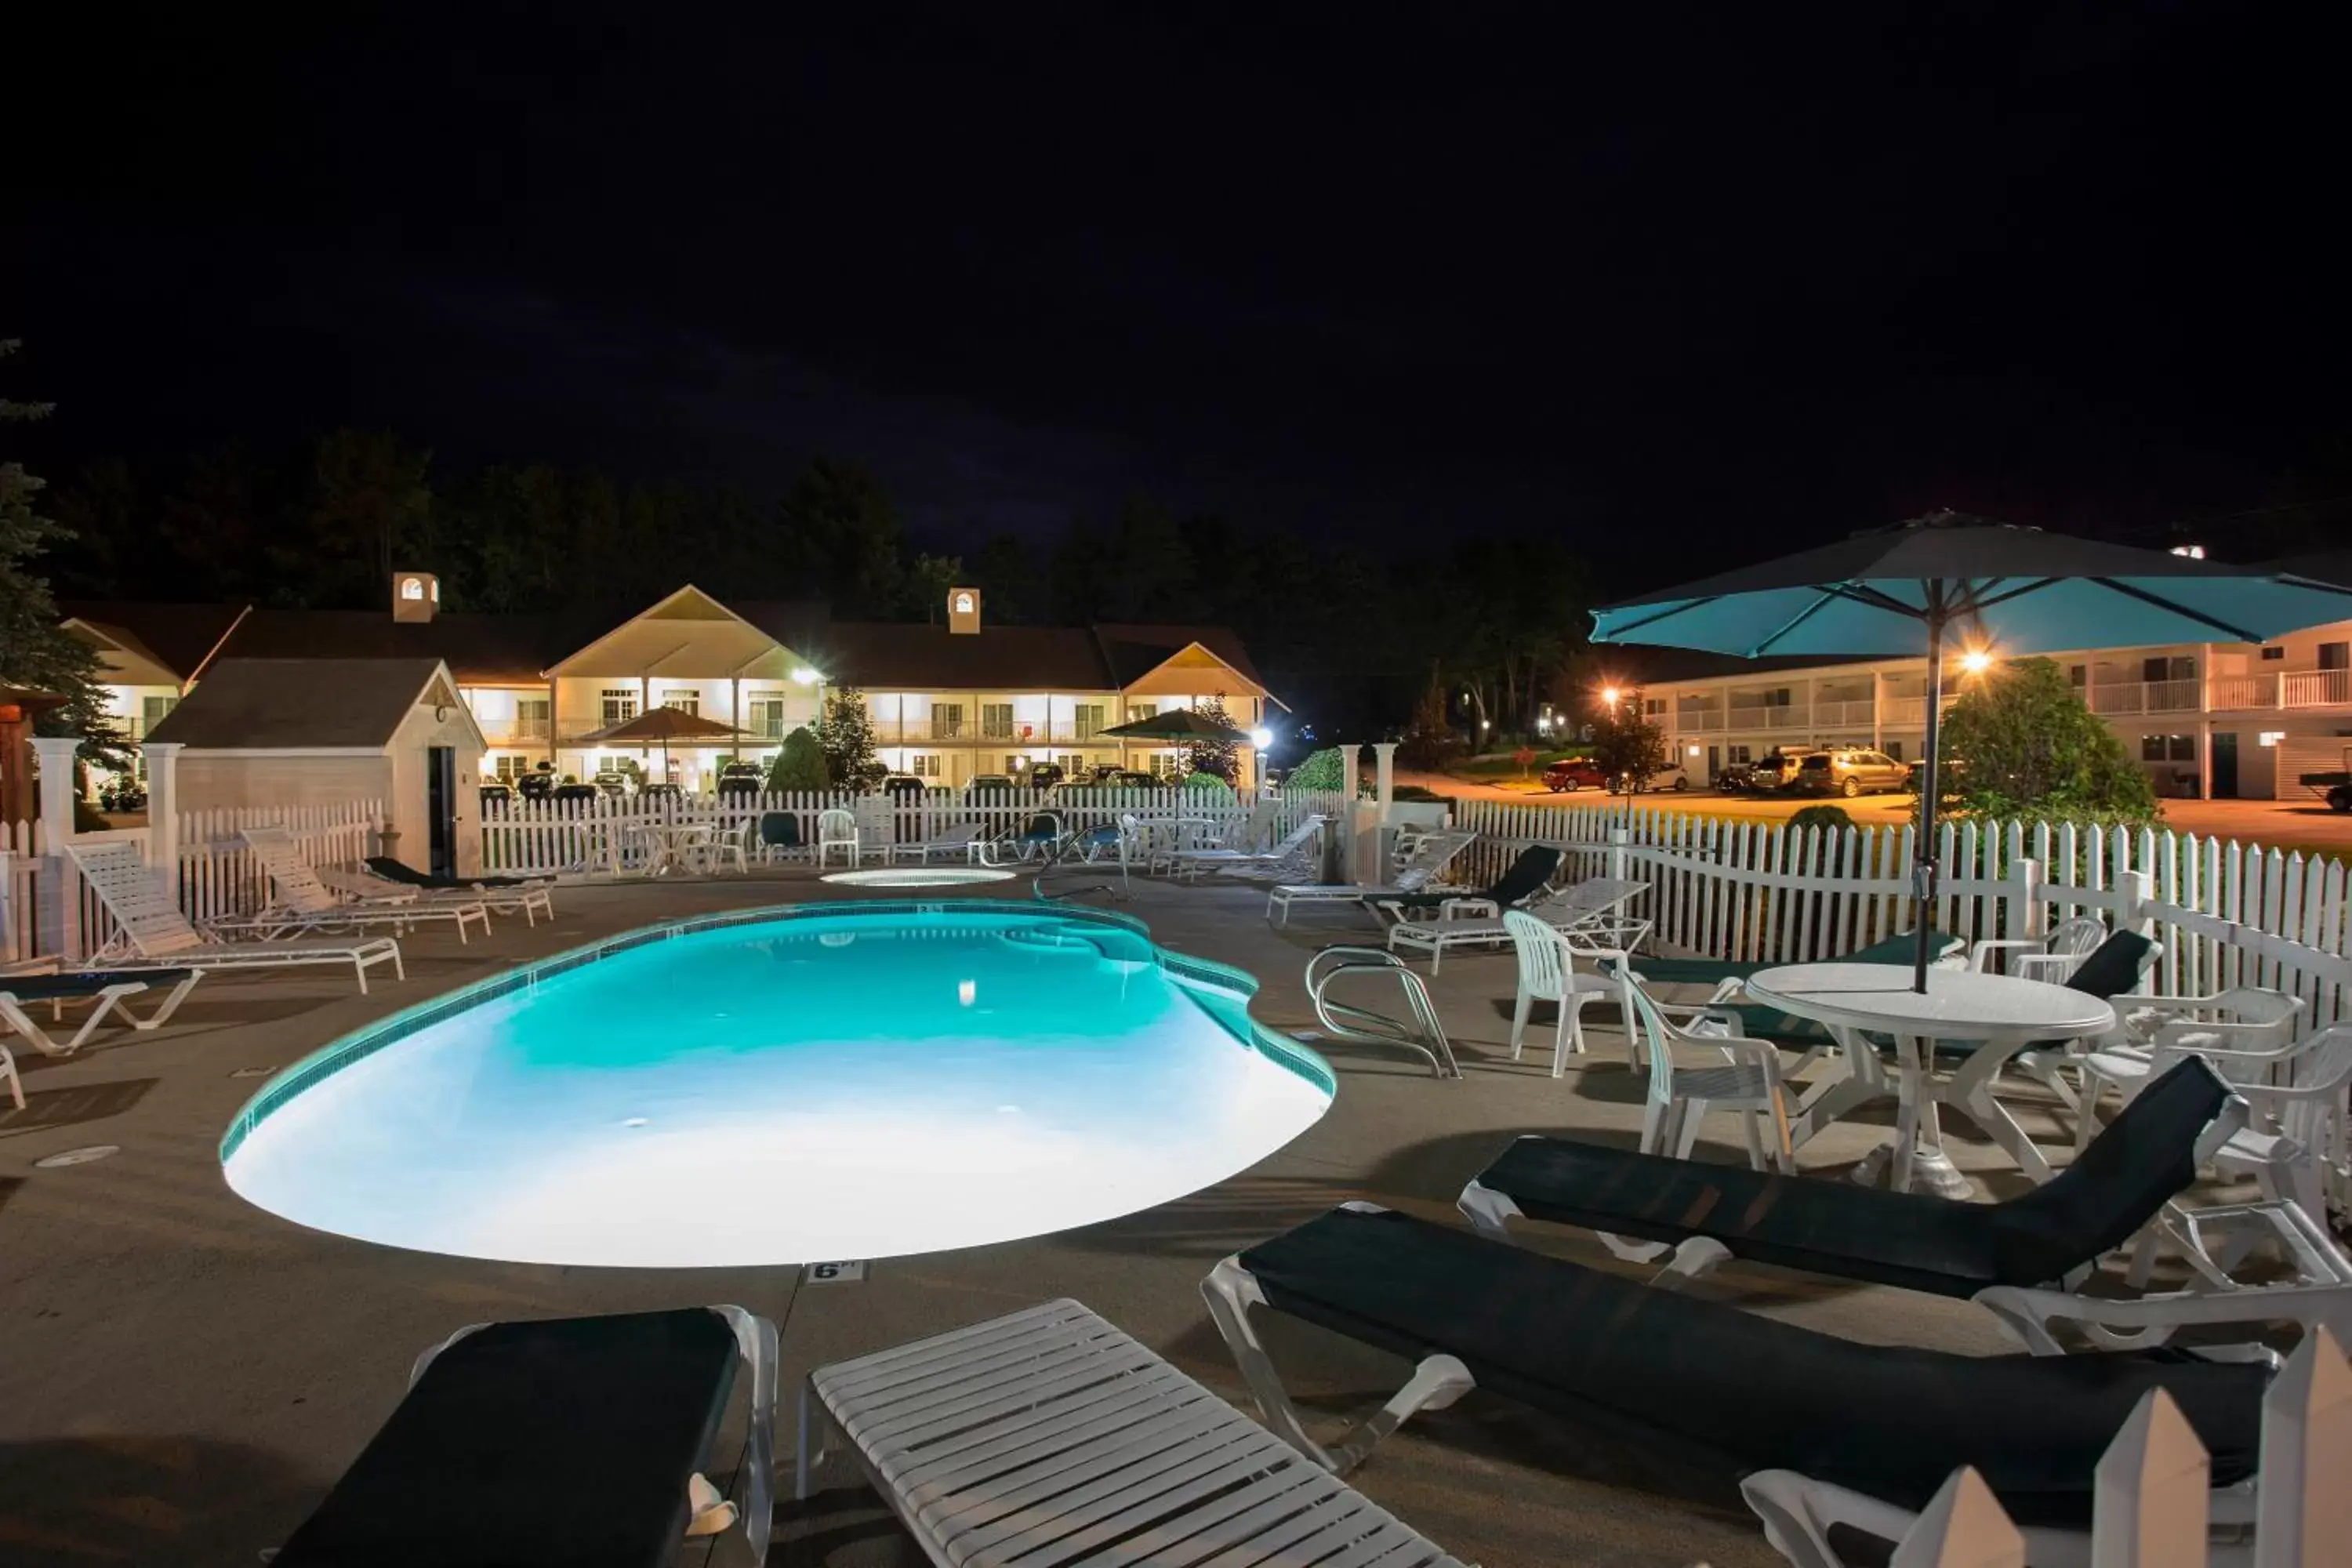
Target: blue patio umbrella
{"points": [[1995, 587]]}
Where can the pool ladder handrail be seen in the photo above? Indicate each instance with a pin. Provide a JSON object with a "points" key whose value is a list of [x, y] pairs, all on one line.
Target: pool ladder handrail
{"points": [[1422, 1034]]}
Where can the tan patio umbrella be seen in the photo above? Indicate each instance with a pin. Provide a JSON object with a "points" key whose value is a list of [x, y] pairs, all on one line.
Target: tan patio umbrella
{"points": [[661, 726]]}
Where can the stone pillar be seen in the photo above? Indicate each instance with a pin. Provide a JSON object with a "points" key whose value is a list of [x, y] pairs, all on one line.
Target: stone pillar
{"points": [[1384, 789], [163, 811], [59, 913]]}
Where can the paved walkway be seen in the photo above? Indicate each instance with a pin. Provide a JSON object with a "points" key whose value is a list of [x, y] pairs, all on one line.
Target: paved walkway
{"points": [[182, 1375]]}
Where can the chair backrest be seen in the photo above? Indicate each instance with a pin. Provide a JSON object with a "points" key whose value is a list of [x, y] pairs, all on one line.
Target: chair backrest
{"points": [[297, 883], [1296, 839], [837, 826], [1543, 961], [135, 896], [2140, 1161], [2321, 1071], [2115, 967], [962, 833], [1658, 1037], [2078, 937], [781, 829], [1526, 876]]}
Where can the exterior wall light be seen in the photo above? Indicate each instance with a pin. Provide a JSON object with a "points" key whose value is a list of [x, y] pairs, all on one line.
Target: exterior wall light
{"points": [[805, 676], [1261, 738]]}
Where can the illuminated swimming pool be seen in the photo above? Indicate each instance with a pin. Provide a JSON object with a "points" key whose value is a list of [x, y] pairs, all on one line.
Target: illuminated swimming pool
{"points": [[783, 1086]]}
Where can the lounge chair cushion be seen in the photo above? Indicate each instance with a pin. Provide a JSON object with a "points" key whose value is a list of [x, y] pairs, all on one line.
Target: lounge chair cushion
{"points": [[2145, 1157], [85, 983], [533, 1444], [392, 870], [1732, 1392]]}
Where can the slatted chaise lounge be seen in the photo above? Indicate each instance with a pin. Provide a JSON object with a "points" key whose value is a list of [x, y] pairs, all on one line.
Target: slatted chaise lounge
{"points": [[306, 903], [528, 899], [2020, 1257], [560, 1444], [107, 988], [151, 933], [1845, 1431], [1047, 1436], [1420, 872]]}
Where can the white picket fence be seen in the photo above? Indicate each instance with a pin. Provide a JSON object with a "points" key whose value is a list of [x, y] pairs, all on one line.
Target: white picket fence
{"points": [[538, 837], [218, 875], [2225, 913], [2152, 1504]]}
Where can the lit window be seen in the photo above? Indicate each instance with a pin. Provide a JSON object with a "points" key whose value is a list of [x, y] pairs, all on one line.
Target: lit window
{"points": [[620, 705], [410, 588]]}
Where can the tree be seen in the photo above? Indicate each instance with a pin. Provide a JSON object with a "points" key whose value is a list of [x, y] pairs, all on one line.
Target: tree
{"points": [[845, 736], [1626, 746], [925, 586], [370, 506], [1220, 758], [799, 766], [2020, 744], [1324, 770], [35, 653], [841, 536], [1428, 740]]}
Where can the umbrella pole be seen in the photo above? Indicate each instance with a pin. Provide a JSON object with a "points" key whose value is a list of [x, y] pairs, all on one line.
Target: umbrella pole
{"points": [[1923, 855]]}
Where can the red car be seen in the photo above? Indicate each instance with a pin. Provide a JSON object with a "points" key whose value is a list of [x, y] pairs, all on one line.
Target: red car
{"points": [[1573, 772]]}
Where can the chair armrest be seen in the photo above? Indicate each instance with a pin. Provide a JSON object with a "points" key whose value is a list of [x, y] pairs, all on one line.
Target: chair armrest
{"points": [[1984, 949], [2052, 967], [1469, 909]]}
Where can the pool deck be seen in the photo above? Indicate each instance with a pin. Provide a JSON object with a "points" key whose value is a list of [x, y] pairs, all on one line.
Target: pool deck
{"points": [[182, 1375]]}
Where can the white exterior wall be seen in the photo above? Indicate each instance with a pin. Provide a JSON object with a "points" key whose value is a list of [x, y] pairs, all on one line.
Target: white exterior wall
{"points": [[209, 779]]}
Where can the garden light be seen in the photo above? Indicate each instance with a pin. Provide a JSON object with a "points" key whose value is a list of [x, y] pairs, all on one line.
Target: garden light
{"points": [[805, 676], [1261, 737]]}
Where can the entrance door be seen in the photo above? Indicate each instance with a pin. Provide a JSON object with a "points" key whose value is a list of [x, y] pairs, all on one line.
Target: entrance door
{"points": [[441, 808], [2225, 764], [1714, 764]]}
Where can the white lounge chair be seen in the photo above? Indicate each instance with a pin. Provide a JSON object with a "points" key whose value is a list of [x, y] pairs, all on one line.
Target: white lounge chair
{"points": [[1287, 858], [306, 903], [1423, 871], [836, 829], [528, 899], [1590, 908], [1049, 1436], [961, 840], [151, 933], [23, 989]]}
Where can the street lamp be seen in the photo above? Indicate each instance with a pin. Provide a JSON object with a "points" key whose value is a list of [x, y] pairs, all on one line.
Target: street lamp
{"points": [[1976, 661]]}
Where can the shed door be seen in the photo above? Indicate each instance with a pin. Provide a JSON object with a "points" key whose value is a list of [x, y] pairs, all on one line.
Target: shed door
{"points": [[441, 808]]}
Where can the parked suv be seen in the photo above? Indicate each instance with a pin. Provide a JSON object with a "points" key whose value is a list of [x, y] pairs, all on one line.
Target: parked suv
{"points": [[1850, 772], [1778, 771], [1574, 773]]}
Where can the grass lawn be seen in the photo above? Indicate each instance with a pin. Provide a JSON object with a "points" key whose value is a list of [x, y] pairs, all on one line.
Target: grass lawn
{"points": [[1501, 769]]}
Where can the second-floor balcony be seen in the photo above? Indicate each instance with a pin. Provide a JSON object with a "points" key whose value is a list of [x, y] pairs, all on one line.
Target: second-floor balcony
{"points": [[2141, 696], [1770, 718], [2284, 688], [941, 730]]}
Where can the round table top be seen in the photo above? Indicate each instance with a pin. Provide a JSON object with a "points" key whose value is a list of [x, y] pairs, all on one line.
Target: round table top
{"points": [[1958, 1005]]}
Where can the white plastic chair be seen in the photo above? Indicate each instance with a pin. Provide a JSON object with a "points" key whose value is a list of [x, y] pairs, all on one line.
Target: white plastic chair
{"points": [[1546, 961], [2295, 1146], [2244, 1032], [836, 829], [722, 849], [2052, 958], [1748, 1084]]}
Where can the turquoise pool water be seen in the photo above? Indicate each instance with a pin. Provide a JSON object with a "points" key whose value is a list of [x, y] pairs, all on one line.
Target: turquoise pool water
{"points": [[831, 1081]]}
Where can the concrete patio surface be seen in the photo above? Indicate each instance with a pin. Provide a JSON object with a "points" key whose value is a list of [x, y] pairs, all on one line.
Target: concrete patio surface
{"points": [[182, 1375]]}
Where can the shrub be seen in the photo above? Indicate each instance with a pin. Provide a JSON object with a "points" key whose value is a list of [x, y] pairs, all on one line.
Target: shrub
{"points": [[1206, 780], [1414, 793], [1822, 816], [799, 764], [1430, 742], [87, 818], [1326, 769], [2020, 745]]}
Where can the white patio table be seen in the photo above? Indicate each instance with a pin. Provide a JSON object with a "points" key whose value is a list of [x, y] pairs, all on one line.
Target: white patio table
{"points": [[1997, 1013], [672, 841]]}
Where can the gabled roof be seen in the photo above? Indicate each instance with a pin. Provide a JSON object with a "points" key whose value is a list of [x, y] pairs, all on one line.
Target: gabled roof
{"points": [[175, 638], [478, 649], [304, 704], [1134, 651], [889, 656]]}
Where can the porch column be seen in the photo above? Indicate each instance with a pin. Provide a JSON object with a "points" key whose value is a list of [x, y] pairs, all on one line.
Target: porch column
{"points": [[1877, 717], [2205, 722], [1384, 788], [164, 810], [58, 915]]}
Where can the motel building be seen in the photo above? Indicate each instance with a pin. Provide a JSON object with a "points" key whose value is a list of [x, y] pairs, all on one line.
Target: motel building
{"points": [[2215, 720], [950, 700]]}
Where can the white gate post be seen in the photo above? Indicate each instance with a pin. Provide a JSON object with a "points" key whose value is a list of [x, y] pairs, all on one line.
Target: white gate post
{"points": [[2150, 1494], [2025, 897], [2133, 890], [2305, 1511], [61, 914], [163, 811], [1963, 1526]]}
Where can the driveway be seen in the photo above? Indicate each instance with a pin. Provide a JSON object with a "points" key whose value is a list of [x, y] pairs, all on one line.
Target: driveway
{"points": [[2300, 823]]}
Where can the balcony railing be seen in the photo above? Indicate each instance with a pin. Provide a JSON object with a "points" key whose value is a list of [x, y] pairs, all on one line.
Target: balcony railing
{"points": [[1772, 717], [1849, 713], [1694, 718], [968, 731], [2142, 697]]}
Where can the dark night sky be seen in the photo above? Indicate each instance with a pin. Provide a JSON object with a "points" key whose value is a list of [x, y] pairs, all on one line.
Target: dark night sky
{"points": [[1760, 276]]}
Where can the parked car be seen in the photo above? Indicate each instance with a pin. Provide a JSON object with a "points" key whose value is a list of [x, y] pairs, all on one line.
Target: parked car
{"points": [[1736, 778], [611, 781], [987, 784], [536, 786], [904, 788], [576, 792], [1044, 775], [1850, 770], [1775, 772], [1574, 773], [1671, 777], [496, 794], [654, 791], [741, 778]]}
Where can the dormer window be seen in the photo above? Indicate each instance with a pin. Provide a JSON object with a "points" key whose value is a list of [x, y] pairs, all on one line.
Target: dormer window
{"points": [[410, 588]]}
